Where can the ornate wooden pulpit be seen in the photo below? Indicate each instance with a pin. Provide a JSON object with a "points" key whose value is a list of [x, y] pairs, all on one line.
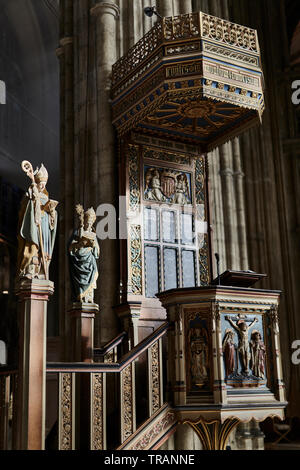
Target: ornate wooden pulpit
{"points": [[193, 78], [192, 83], [224, 364]]}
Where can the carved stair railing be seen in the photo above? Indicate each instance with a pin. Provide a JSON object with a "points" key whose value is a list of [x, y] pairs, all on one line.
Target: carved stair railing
{"points": [[8, 386], [110, 351], [151, 433]]}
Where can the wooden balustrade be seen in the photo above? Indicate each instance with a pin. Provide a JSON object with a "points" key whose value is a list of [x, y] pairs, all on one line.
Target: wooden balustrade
{"points": [[124, 369], [8, 385], [97, 374], [109, 352]]}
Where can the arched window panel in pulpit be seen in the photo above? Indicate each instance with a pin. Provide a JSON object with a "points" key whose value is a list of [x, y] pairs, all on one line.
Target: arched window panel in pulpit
{"points": [[167, 200], [170, 253]]}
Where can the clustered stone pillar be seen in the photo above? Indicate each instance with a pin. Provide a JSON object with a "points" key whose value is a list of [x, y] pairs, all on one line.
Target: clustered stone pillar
{"points": [[185, 6], [229, 206], [65, 54], [165, 7], [239, 177], [186, 438], [33, 297], [249, 436]]}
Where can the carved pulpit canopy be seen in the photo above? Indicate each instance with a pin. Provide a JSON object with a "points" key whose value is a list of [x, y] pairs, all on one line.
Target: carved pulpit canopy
{"points": [[193, 78]]}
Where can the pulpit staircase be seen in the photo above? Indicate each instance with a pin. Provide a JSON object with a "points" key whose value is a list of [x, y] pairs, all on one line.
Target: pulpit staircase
{"points": [[116, 402]]}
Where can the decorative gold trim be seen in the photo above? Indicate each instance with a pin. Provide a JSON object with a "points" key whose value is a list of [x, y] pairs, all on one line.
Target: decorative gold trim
{"points": [[134, 174], [128, 425], [214, 434], [153, 431], [232, 34], [154, 379], [66, 412], [186, 28], [218, 50], [136, 285]]}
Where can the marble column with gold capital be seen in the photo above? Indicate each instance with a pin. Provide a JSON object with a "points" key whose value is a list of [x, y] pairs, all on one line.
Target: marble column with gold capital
{"points": [[33, 295]]}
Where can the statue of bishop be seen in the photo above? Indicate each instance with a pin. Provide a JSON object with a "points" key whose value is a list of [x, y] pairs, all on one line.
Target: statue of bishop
{"points": [[37, 226], [83, 254]]}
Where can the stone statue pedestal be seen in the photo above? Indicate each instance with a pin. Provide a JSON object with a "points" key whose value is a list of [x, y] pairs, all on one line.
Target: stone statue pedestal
{"points": [[82, 331], [33, 295]]}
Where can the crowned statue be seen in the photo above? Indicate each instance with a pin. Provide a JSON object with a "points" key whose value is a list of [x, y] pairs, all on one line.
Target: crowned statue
{"points": [[83, 254], [37, 226]]}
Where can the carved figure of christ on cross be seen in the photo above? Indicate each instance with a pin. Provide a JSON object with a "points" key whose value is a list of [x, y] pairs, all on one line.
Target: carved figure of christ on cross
{"points": [[242, 330]]}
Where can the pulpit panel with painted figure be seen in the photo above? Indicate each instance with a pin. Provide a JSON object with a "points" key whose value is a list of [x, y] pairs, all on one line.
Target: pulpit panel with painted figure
{"points": [[244, 350], [198, 354]]}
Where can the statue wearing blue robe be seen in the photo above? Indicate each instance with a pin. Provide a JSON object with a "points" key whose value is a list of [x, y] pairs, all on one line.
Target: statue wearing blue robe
{"points": [[83, 254]]}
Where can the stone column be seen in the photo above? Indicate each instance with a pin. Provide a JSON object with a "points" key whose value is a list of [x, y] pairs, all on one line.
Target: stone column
{"points": [[185, 6], [215, 6], [249, 436], [258, 437], [106, 13], [216, 211], [171, 443], [238, 177], [33, 297], [67, 173], [184, 437], [201, 5], [135, 26], [243, 437], [148, 22]]}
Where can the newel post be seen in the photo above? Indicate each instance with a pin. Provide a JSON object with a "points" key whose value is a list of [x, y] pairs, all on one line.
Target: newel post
{"points": [[33, 295], [36, 238]]}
